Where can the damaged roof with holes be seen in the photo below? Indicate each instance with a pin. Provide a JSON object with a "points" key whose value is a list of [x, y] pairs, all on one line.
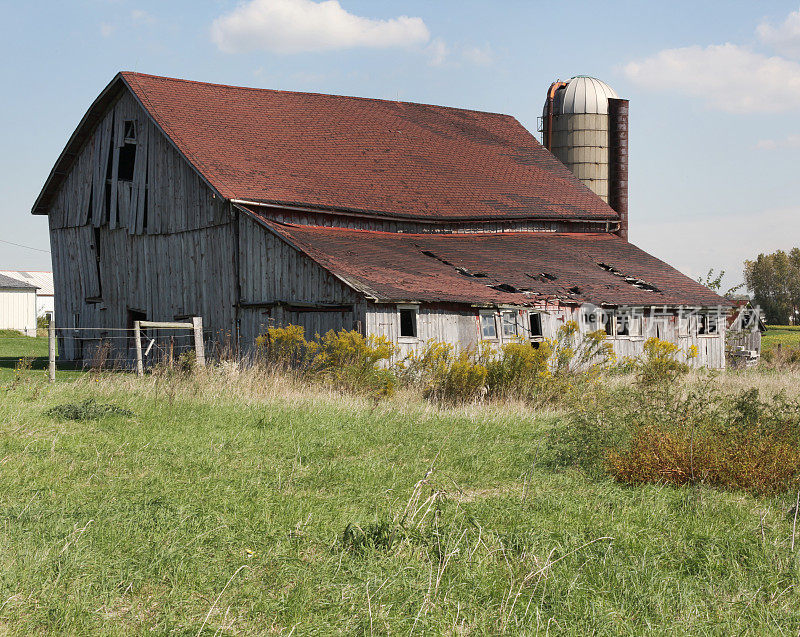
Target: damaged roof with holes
{"points": [[496, 268], [395, 159]]}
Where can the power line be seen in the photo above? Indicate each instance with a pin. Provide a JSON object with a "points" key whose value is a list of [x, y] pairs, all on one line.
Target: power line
{"points": [[19, 245]]}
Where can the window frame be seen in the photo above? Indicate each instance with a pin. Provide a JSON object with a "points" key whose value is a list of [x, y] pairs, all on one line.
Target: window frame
{"points": [[514, 316], [485, 314], [536, 337], [707, 320], [406, 307]]}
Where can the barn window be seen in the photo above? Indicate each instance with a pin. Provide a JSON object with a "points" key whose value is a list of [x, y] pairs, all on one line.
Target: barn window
{"points": [[536, 325], [622, 325], [127, 153], [608, 323], [408, 322], [488, 325], [707, 325], [509, 322]]}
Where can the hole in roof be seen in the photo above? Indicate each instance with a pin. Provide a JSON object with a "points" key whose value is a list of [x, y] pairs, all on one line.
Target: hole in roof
{"points": [[505, 287], [630, 280], [574, 290], [474, 275]]}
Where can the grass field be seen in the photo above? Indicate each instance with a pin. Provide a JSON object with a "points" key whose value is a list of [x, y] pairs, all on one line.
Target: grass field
{"points": [[785, 335], [225, 504]]}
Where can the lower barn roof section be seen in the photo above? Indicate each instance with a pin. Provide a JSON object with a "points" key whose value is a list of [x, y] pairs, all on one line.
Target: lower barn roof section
{"points": [[520, 268]]}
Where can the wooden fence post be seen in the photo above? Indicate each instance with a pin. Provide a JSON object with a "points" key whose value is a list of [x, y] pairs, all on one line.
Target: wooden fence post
{"points": [[137, 337], [51, 348], [199, 346]]}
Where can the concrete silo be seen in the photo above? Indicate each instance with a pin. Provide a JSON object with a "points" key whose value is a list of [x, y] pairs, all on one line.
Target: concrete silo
{"points": [[585, 125]]}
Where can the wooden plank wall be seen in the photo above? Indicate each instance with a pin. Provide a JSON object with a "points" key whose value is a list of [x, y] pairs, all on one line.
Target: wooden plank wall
{"points": [[461, 329], [166, 194], [272, 272], [162, 244]]}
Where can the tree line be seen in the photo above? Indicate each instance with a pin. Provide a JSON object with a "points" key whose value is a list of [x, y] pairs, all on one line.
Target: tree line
{"points": [[774, 283]]}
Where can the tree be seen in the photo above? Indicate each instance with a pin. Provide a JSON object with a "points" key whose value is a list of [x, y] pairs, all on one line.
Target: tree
{"points": [[774, 280], [714, 283]]}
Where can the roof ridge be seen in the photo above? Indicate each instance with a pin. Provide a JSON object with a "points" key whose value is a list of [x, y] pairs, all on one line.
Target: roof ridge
{"points": [[314, 93]]}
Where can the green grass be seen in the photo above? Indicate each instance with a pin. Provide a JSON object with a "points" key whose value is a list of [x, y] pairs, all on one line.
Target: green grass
{"points": [[784, 335], [15, 345], [219, 508]]}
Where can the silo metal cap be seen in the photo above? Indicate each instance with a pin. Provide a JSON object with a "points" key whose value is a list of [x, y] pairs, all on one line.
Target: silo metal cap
{"points": [[583, 94]]}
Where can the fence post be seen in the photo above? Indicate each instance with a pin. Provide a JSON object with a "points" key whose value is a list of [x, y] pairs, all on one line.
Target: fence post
{"points": [[137, 337], [199, 346], [51, 348]]}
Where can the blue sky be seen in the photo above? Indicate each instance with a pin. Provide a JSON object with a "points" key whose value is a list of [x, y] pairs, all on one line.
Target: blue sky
{"points": [[714, 90]]}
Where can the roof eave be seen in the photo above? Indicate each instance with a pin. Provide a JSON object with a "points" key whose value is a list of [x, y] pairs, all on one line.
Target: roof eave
{"points": [[377, 214]]}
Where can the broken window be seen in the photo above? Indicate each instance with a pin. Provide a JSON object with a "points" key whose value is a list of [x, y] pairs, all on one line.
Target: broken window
{"points": [[707, 325], [509, 322], [127, 153], [608, 323], [622, 325], [488, 325], [536, 325], [408, 322]]}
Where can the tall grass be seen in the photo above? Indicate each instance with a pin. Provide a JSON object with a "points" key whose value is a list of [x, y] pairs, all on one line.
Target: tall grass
{"points": [[245, 501]]}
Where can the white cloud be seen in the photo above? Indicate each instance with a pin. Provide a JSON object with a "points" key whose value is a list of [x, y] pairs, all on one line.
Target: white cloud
{"points": [[727, 77], [294, 26], [479, 55], [785, 38], [790, 141], [438, 52]]}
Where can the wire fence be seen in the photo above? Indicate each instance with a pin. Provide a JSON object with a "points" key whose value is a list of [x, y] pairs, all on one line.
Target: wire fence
{"points": [[113, 348]]}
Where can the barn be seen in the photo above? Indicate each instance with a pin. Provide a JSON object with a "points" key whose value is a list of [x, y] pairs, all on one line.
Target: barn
{"points": [[253, 207], [17, 305]]}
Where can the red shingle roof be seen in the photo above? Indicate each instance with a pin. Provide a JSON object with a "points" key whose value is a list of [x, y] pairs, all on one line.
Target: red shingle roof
{"points": [[595, 268], [393, 158]]}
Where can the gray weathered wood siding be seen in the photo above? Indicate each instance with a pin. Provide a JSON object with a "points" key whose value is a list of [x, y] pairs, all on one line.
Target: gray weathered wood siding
{"points": [[461, 328], [162, 244], [281, 286]]}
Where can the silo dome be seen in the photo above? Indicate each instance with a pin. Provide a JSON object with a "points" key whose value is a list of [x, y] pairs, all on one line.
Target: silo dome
{"points": [[583, 95]]}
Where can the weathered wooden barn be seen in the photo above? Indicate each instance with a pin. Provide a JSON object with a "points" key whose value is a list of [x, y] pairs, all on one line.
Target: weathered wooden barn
{"points": [[248, 207]]}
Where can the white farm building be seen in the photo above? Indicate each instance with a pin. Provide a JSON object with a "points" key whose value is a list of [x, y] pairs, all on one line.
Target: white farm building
{"points": [[17, 305]]}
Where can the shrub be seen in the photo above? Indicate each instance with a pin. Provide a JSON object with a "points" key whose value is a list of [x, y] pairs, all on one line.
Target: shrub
{"points": [[346, 359], [518, 370], [463, 380], [574, 352], [286, 347], [660, 361], [443, 375], [664, 435], [749, 459], [89, 409]]}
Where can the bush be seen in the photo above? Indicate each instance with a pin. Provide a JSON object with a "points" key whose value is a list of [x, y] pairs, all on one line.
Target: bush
{"points": [[574, 352], [518, 370], [286, 347], [89, 409], [660, 361], [665, 435], [445, 376], [345, 359]]}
